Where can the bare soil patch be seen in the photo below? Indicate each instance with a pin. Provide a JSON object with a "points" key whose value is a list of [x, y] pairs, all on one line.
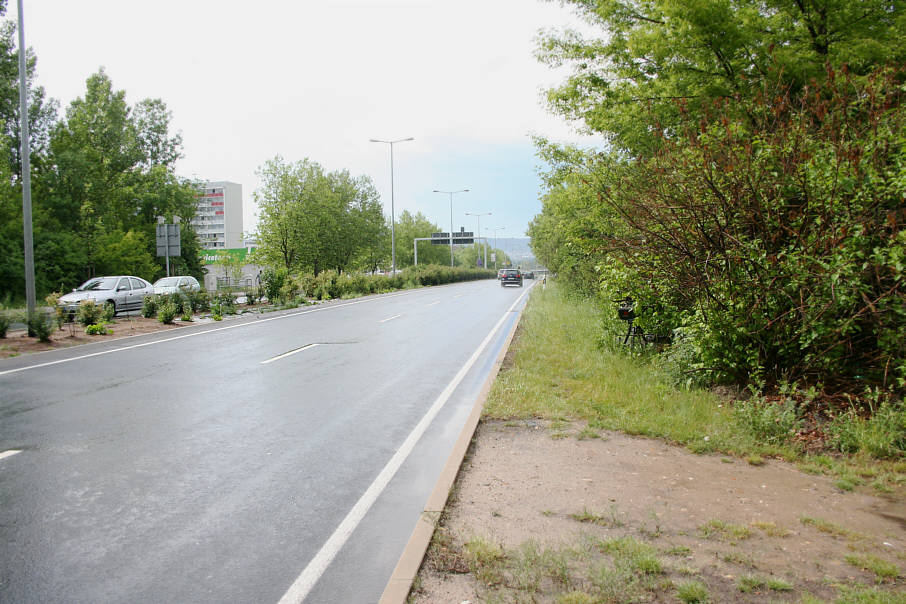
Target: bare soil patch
{"points": [[712, 519]]}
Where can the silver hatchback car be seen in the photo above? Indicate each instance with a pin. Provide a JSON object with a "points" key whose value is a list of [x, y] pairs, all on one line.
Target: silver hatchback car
{"points": [[124, 292]]}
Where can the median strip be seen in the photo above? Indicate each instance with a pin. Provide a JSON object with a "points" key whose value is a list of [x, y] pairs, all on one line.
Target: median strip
{"points": [[288, 354]]}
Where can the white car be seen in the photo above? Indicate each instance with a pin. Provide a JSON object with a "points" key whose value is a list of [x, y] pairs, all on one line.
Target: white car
{"points": [[124, 292], [181, 283]]}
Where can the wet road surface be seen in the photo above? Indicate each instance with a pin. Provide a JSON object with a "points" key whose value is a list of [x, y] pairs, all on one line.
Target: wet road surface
{"points": [[213, 464]]}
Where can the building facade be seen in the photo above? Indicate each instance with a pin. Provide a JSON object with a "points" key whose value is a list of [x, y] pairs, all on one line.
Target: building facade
{"points": [[218, 215]]}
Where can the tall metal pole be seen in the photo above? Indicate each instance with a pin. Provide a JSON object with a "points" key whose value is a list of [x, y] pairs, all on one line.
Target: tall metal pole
{"points": [[26, 173], [479, 215], [392, 209], [451, 217]]}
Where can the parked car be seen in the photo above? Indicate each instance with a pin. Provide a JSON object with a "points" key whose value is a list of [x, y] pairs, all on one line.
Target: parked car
{"points": [[124, 292], [511, 276], [180, 283]]}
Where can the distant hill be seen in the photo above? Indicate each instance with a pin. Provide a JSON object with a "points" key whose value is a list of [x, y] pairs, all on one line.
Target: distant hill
{"points": [[517, 248]]}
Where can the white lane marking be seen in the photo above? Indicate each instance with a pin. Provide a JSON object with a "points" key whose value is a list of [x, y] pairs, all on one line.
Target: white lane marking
{"points": [[458, 295], [310, 575], [9, 453], [390, 318], [433, 303], [199, 333], [288, 354]]}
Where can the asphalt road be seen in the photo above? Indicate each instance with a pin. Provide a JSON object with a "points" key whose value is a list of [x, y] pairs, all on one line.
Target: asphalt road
{"points": [[229, 463]]}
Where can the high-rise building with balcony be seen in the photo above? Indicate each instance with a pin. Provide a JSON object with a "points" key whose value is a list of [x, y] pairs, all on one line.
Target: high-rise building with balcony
{"points": [[218, 215]]}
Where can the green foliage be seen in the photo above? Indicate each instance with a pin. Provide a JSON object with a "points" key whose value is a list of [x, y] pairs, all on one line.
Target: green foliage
{"points": [[882, 434], [59, 313], [273, 280], [4, 322], [198, 301], [167, 310], [798, 278], [226, 303], [108, 311], [149, 306], [40, 325], [99, 329], [768, 421], [669, 58], [313, 220], [89, 313]]}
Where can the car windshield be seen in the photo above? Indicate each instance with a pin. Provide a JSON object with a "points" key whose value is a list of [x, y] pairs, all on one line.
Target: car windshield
{"points": [[99, 283], [166, 282]]}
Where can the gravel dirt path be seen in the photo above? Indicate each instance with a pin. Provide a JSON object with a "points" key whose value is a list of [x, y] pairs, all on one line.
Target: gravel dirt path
{"points": [[713, 519]]}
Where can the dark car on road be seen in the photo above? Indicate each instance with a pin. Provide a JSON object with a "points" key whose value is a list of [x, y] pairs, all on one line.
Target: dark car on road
{"points": [[511, 276], [529, 275]]}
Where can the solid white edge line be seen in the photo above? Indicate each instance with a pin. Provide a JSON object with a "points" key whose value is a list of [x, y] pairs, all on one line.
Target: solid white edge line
{"points": [[288, 354], [199, 333], [9, 453], [390, 318], [303, 584]]}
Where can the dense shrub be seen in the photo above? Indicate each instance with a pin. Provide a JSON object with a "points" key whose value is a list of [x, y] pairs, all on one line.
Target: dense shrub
{"points": [[100, 329], [768, 421], [89, 313], [198, 301], [166, 310], [40, 325], [226, 302], [881, 434], [273, 281], [149, 306], [4, 322], [771, 230]]}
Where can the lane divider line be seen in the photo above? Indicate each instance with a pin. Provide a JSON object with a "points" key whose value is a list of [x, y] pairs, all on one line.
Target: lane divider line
{"points": [[400, 583], [390, 318], [316, 567], [199, 333], [9, 453], [289, 354], [433, 303]]}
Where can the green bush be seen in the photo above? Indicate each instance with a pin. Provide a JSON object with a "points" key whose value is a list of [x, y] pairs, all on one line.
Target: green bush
{"points": [[4, 323], [89, 313], [186, 316], [149, 306], [108, 311], [60, 315], [273, 281], [882, 434], [227, 302], [199, 301], [167, 311], [768, 421], [100, 329], [40, 325]]}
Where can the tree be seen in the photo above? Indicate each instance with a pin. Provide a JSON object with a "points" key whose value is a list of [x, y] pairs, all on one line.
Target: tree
{"points": [[312, 220], [663, 56], [410, 227]]}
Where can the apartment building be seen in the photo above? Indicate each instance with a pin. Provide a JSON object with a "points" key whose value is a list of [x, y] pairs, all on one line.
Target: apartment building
{"points": [[218, 217]]}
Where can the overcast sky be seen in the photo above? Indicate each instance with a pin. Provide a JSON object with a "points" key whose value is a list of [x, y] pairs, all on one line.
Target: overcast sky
{"points": [[246, 81]]}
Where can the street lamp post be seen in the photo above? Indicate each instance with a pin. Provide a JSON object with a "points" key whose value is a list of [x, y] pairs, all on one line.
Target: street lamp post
{"points": [[450, 193], [495, 229], [392, 212], [478, 216]]}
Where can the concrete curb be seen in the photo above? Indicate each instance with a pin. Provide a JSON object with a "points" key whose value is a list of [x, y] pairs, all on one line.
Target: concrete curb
{"points": [[397, 589]]}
